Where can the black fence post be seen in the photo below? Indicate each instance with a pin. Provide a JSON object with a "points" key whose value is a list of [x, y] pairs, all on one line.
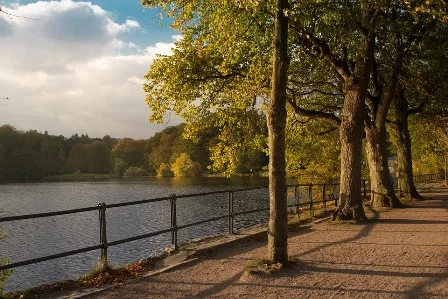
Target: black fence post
{"points": [[324, 191], [335, 195], [103, 231], [231, 213], [310, 196], [296, 199], [173, 221]]}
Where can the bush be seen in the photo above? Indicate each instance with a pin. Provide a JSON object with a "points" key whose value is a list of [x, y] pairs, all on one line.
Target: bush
{"points": [[133, 172], [184, 166], [164, 171], [119, 167]]}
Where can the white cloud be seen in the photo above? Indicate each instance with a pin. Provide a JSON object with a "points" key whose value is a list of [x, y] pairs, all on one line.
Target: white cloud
{"points": [[67, 72], [177, 37], [136, 80]]}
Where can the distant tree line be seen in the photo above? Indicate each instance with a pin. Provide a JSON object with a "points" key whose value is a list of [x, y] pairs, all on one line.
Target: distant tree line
{"points": [[31, 155]]}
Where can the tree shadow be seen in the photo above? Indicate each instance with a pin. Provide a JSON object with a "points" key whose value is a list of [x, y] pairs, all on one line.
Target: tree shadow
{"points": [[418, 289], [409, 221], [367, 229], [218, 287]]}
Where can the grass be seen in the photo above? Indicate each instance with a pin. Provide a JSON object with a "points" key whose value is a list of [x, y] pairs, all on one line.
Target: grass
{"points": [[262, 266], [295, 221]]}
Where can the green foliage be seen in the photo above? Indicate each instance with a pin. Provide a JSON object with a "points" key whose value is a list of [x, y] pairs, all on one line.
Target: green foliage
{"points": [[311, 157], [133, 172], [132, 152], [119, 167], [31, 155], [164, 146], [164, 170], [184, 166], [221, 68], [241, 142], [217, 78], [428, 147], [25, 164], [98, 157], [78, 157]]}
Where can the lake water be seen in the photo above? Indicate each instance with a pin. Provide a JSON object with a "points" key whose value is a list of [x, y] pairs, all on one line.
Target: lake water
{"points": [[34, 238]]}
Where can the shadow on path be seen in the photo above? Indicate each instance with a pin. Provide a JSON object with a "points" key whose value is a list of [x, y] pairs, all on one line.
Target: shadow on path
{"points": [[368, 227]]}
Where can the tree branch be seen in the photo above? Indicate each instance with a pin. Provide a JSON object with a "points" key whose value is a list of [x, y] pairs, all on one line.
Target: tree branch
{"points": [[328, 117], [321, 49]]}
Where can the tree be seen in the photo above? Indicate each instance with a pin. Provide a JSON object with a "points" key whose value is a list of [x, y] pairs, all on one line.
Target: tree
{"points": [[238, 139], [24, 164], [130, 151], [276, 119], [222, 61], [184, 166], [164, 170], [77, 159], [119, 167], [312, 152], [202, 72], [52, 157], [165, 146], [343, 37], [98, 158], [422, 94], [2, 160], [402, 38], [400, 129]]}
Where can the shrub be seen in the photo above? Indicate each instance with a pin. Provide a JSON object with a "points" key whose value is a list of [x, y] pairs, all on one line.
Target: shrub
{"points": [[119, 167], [133, 172], [164, 171], [184, 166]]}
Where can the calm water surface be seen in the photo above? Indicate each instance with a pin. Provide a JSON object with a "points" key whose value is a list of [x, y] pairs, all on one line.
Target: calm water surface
{"points": [[34, 238]]}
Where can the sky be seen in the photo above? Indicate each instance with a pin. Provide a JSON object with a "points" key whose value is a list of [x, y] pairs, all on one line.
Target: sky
{"points": [[71, 66]]}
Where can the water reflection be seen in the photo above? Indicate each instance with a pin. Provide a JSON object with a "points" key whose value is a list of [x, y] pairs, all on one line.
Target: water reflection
{"points": [[39, 237]]}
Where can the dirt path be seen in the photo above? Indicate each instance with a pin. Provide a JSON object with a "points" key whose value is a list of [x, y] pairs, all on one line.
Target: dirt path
{"points": [[400, 254]]}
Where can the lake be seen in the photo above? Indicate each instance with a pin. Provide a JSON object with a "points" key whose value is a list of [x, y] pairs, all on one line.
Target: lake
{"points": [[34, 238]]}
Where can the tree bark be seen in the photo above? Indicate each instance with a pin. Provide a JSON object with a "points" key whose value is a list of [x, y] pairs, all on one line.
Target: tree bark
{"points": [[353, 115], [406, 184], [276, 119], [351, 132], [382, 189]]}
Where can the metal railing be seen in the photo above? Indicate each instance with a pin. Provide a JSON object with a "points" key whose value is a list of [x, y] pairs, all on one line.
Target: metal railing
{"points": [[320, 190], [428, 178]]}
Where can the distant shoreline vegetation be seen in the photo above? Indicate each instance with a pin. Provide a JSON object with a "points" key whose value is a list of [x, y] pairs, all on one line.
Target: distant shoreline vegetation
{"points": [[33, 156]]}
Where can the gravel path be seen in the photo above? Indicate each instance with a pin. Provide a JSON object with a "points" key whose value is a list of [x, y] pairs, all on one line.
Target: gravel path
{"points": [[401, 253]]}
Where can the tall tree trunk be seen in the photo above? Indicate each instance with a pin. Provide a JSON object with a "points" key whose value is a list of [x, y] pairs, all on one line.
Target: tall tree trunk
{"points": [[382, 189], [276, 118], [351, 132], [353, 115], [406, 184]]}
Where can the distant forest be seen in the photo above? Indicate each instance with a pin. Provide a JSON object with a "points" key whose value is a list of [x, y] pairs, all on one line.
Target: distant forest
{"points": [[31, 155]]}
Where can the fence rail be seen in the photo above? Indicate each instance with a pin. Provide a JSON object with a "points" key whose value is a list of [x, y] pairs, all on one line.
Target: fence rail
{"points": [[324, 197], [102, 209], [428, 178]]}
